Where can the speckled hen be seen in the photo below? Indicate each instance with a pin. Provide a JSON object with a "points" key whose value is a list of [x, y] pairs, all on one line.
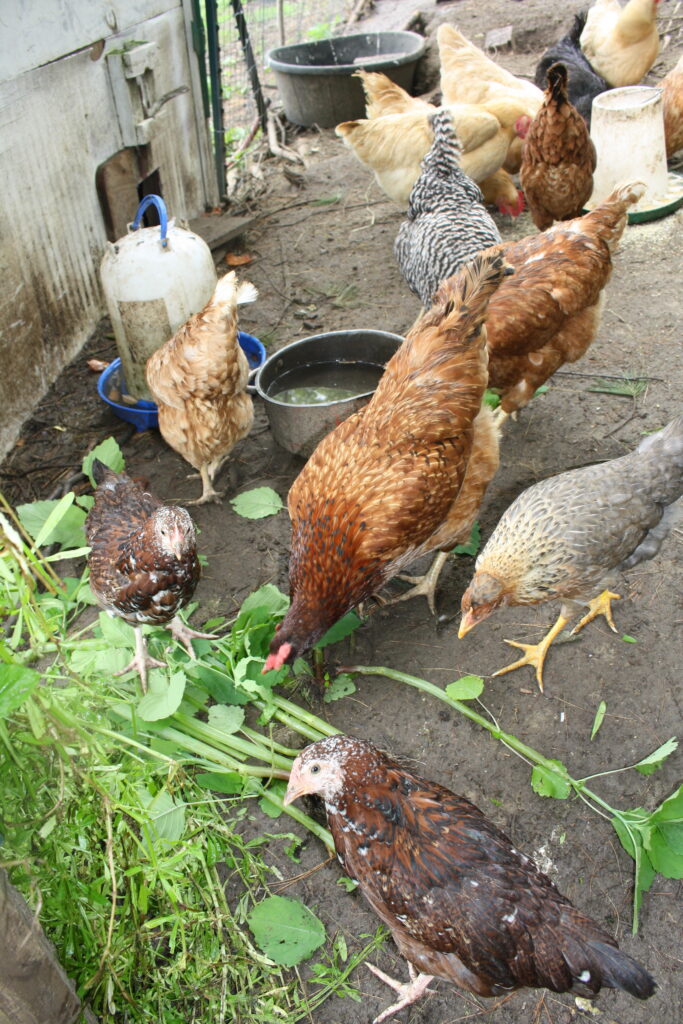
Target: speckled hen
{"points": [[566, 537], [461, 902], [403, 476], [143, 561], [446, 223]]}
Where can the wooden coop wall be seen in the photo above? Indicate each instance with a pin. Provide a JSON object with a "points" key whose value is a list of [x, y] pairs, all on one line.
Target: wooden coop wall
{"points": [[67, 109]]}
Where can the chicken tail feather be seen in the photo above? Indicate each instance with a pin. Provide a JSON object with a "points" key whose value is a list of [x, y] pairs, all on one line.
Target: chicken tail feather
{"points": [[247, 292], [468, 292], [619, 970]]}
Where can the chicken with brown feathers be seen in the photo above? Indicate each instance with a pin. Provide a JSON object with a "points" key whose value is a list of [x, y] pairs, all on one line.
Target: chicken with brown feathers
{"points": [[558, 158], [461, 902], [548, 312], [143, 561], [199, 378], [402, 477]]}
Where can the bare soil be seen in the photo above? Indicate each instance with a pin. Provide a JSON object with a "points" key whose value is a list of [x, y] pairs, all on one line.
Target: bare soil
{"points": [[322, 265]]}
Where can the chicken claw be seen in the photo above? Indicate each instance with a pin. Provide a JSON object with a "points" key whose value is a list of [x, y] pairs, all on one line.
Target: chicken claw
{"points": [[208, 491], [409, 992], [184, 633], [534, 654], [423, 585], [141, 661], [600, 605]]}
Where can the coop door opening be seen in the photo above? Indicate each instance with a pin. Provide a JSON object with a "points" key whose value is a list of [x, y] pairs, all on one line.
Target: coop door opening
{"points": [[121, 182]]}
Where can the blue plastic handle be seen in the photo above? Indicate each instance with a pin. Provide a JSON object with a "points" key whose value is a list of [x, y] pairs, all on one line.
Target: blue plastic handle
{"points": [[157, 201]]}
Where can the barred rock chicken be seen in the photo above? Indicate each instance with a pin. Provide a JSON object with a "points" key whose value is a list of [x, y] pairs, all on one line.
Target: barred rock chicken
{"points": [[143, 561], [558, 159], [621, 43], [461, 902], [469, 76], [446, 222], [198, 379], [382, 97], [672, 100], [403, 476], [584, 82], [565, 537], [548, 312]]}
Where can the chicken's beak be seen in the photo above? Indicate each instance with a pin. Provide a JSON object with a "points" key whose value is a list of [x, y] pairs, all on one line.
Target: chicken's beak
{"points": [[295, 789], [177, 540], [467, 623]]}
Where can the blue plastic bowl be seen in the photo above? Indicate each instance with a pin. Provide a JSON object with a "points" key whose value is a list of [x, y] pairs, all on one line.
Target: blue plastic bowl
{"points": [[143, 415]]}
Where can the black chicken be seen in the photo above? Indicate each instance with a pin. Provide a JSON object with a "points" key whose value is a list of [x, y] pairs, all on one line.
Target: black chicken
{"points": [[143, 561], [584, 83], [461, 902]]}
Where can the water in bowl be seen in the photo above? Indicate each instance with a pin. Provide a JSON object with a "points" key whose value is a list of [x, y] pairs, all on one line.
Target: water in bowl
{"points": [[320, 383]]}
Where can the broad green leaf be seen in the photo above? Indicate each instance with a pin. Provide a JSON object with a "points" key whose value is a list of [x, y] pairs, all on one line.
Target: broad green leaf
{"points": [[348, 624], [17, 683], [664, 858], [340, 687], [300, 667], [546, 782], [166, 816], [257, 503], [472, 545], [670, 809], [627, 826], [267, 597], [657, 758], [163, 696], [54, 522], [597, 721], [465, 688], [279, 788], [229, 783], [115, 631], [347, 884], [491, 398], [107, 452], [217, 681], [286, 930], [227, 719]]}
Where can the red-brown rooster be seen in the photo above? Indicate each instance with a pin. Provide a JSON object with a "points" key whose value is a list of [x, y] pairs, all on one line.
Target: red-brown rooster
{"points": [[461, 902], [402, 477], [143, 561]]}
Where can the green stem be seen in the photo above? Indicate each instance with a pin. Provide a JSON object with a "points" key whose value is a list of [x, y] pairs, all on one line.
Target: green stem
{"points": [[302, 818], [296, 718]]}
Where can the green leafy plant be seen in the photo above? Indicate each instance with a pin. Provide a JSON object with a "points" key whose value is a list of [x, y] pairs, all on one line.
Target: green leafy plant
{"points": [[257, 503]]}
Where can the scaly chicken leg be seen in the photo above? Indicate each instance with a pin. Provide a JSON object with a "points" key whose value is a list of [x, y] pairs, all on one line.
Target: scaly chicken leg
{"points": [[141, 661], [208, 491], [600, 605], [184, 633], [409, 992], [534, 654], [423, 585]]}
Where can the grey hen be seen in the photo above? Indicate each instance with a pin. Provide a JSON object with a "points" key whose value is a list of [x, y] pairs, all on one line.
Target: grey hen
{"points": [[446, 222]]}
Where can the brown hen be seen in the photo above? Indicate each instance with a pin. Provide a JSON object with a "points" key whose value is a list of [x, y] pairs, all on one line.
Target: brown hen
{"points": [[402, 477], [558, 159], [198, 379], [548, 312], [568, 536], [672, 100], [461, 902], [143, 561]]}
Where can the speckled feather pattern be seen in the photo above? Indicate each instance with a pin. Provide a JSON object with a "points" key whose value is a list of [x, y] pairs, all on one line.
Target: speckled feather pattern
{"points": [[198, 379], [559, 158], [130, 574], [446, 222], [385, 486], [547, 312], [462, 903], [563, 537]]}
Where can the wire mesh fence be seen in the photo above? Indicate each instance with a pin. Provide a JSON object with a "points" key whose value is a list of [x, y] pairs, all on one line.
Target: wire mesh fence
{"points": [[268, 23]]}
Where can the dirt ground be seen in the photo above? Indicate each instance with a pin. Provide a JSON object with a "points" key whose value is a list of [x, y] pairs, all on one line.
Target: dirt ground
{"points": [[329, 266]]}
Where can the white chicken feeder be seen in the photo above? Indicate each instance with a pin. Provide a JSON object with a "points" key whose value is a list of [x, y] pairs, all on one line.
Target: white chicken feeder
{"points": [[627, 128], [153, 280]]}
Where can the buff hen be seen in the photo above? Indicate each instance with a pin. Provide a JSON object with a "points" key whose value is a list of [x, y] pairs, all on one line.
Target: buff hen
{"points": [[672, 100], [402, 477], [143, 561], [446, 223], [621, 43], [565, 537], [199, 378], [461, 902], [548, 312], [558, 158]]}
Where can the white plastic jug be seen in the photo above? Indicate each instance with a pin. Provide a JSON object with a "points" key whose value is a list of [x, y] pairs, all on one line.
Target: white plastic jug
{"points": [[153, 279]]}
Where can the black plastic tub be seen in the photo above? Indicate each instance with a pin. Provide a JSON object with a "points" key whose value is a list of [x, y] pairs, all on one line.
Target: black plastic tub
{"points": [[316, 81]]}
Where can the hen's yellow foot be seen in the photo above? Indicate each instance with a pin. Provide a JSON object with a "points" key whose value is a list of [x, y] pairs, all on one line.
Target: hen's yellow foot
{"points": [[600, 605], [534, 654]]}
